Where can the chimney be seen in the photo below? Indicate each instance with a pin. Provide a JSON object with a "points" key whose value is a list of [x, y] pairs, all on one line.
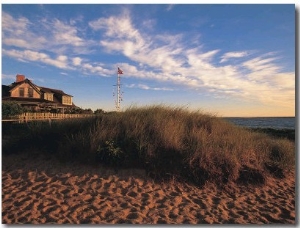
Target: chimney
{"points": [[20, 78]]}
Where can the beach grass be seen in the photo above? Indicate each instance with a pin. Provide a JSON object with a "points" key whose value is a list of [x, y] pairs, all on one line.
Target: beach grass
{"points": [[166, 141]]}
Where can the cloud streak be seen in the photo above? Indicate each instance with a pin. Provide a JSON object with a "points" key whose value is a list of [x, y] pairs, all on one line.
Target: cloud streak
{"points": [[146, 87], [47, 34], [27, 55], [230, 55]]}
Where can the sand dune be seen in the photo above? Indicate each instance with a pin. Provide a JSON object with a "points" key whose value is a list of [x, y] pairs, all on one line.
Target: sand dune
{"points": [[43, 191]]}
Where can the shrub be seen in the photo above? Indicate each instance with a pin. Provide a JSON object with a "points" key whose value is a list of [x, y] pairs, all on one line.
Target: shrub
{"points": [[98, 112], [10, 109], [170, 142]]}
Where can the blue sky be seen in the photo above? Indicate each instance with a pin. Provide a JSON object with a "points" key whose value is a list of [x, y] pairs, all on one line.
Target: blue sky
{"points": [[225, 59]]}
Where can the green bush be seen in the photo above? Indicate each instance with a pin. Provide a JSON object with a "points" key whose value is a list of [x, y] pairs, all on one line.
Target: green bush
{"points": [[10, 109]]}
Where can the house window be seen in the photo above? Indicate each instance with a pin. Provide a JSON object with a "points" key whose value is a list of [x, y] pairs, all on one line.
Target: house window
{"points": [[67, 100], [21, 92], [48, 96], [30, 92]]}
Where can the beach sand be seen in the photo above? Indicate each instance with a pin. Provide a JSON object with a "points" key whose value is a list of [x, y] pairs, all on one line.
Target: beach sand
{"points": [[40, 190]]}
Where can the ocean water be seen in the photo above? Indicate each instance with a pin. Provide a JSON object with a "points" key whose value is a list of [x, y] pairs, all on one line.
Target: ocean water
{"points": [[264, 122]]}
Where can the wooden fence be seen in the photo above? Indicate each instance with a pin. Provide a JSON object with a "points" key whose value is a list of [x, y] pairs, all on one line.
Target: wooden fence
{"points": [[25, 117]]}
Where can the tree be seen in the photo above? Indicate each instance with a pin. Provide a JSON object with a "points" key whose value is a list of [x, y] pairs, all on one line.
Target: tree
{"points": [[88, 111], [11, 109], [98, 111]]}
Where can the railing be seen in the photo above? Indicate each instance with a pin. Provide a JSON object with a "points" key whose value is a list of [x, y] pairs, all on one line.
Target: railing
{"points": [[44, 116]]}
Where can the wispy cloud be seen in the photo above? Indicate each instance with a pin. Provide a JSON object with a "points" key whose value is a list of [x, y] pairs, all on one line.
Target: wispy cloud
{"points": [[61, 61], [170, 7], [48, 35], [146, 87], [96, 68], [66, 34], [8, 76], [262, 68], [230, 55], [17, 32], [27, 55], [77, 61]]}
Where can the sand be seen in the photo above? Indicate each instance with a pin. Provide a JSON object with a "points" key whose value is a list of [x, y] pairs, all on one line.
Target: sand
{"points": [[41, 190]]}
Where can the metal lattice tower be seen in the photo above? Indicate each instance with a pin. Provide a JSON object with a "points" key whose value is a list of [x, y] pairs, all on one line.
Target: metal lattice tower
{"points": [[119, 93]]}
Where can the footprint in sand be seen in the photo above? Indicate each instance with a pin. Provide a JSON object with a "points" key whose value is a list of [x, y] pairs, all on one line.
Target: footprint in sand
{"points": [[132, 194]]}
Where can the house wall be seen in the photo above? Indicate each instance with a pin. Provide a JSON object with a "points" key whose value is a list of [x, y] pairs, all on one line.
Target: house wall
{"points": [[25, 86]]}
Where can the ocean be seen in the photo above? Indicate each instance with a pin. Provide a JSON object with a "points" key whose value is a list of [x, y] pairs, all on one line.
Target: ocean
{"points": [[264, 122]]}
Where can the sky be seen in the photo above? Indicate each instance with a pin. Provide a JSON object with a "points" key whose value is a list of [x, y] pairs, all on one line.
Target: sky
{"points": [[224, 59]]}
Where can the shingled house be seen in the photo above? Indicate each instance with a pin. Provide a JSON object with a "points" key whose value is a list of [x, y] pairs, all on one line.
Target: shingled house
{"points": [[38, 98]]}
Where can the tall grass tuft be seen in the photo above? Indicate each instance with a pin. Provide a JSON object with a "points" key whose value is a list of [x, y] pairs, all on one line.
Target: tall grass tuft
{"points": [[168, 142]]}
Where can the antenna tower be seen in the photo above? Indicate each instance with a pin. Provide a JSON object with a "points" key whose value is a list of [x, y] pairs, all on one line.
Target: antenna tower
{"points": [[119, 93]]}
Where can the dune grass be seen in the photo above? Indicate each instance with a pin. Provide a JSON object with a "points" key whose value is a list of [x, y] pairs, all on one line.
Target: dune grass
{"points": [[168, 142]]}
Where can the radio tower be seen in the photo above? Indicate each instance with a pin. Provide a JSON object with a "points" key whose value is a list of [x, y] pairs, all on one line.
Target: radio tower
{"points": [[119, 94]]}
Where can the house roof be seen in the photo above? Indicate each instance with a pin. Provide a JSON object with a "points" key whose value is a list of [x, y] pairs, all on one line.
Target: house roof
{"points": [[39, 89], [16, 84], [55, 91]]}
